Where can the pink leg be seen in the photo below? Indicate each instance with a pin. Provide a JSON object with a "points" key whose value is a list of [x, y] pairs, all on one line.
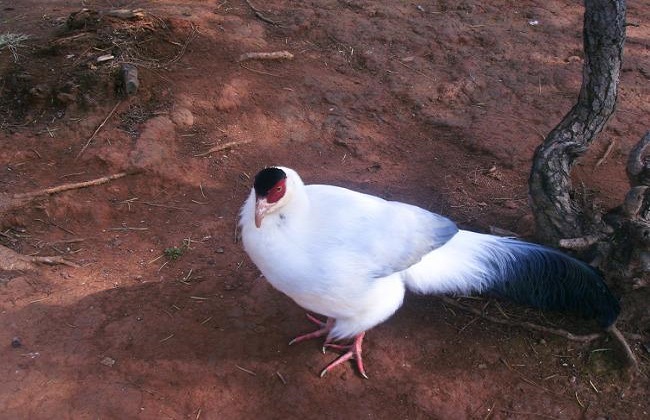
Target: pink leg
{"points": [[353, 352], [324, 329]]}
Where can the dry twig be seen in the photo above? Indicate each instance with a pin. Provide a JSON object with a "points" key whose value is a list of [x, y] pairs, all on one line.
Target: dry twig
{"points": [[156, 64], [527, 414], [605, 155], [579, 243], [260, 16], [281, 377], [127, 14], [83, 149], [250, 372], [224, 146], [415, 70], [164, 206], [266, 73], [275, 55]]}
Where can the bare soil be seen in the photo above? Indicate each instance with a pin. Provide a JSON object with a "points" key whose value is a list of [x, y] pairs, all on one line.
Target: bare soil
{"points": [[435, 103]]}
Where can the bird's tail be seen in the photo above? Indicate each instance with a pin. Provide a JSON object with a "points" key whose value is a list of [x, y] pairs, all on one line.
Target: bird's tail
{"points": [[524, 272]]}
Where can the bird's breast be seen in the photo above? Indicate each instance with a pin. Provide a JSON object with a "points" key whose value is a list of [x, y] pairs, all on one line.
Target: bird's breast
{"points": [[280, 256]]}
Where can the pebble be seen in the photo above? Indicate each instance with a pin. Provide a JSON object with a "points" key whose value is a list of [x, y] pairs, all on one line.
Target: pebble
{"points": [[107, 361], [182, 117], [15, 342]]}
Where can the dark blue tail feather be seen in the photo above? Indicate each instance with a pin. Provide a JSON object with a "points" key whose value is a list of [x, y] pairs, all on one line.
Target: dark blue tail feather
{"points": [[548, 279]]}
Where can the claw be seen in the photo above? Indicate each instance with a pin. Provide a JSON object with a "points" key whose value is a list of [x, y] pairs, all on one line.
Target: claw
{"points": [[353, 352], [324, 329], [339, 347], [350, 351]]}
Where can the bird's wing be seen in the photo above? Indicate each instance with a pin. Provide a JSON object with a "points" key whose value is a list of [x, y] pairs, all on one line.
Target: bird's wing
{"points": [[381, 236]]}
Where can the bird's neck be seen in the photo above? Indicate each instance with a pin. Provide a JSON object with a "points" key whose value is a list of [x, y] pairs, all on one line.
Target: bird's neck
{"points": [[298, 209], [293, 215]]}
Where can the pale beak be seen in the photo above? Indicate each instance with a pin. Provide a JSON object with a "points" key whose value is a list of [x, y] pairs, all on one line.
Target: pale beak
{"points": [[261, 208]]}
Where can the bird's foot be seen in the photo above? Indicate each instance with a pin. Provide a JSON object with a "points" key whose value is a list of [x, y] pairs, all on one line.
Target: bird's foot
{"points": [[325, 328], [352, 351]]}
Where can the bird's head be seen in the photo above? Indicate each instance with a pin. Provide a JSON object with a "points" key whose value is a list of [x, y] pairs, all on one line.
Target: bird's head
{"points": [[272, 191]]}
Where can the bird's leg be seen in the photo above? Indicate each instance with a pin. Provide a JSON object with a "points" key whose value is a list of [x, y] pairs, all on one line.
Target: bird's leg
{"points": [[325, 328], [353, 352]]}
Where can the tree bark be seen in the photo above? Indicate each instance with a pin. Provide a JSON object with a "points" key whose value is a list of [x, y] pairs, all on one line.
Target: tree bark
{"points": [[557, 214], [629, 246]]}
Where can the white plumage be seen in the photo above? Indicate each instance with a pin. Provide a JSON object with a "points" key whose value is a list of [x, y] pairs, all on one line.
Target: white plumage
{"points": [[350, 257]]}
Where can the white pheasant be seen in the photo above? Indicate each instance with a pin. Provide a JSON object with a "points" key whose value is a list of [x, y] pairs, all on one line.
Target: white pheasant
{"points": [[350, 257]]}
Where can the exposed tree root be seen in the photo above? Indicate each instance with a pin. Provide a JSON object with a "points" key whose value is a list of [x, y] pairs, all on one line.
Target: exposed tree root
{"points": [[633, 363], [612, 330], [10, 202], [71, 186], [11, 260], [528, 325]]}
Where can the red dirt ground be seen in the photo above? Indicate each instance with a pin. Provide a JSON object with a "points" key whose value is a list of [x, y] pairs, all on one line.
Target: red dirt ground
{"points": [[435, 103]]}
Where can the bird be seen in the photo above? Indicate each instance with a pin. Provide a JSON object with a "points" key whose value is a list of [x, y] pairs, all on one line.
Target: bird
{"points": [[350, 257]]}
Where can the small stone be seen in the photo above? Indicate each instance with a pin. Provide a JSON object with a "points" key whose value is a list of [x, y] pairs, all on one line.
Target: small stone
{"points": [[130, 80], [182, 117], [40, 91], [15, 342], [107, 361], [482, 366], [105, 57], [66, 98], [219, 250]]}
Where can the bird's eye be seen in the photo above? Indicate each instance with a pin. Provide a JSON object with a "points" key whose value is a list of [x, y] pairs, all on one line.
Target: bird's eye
{"points": [[278, 189]]}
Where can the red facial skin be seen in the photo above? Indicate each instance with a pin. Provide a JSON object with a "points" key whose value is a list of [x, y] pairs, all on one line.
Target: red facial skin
{"points": [[277, 192], [264, 204]]}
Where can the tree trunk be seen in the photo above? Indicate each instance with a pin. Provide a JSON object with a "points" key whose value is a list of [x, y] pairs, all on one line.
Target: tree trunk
{"points": [[557, 214]]}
